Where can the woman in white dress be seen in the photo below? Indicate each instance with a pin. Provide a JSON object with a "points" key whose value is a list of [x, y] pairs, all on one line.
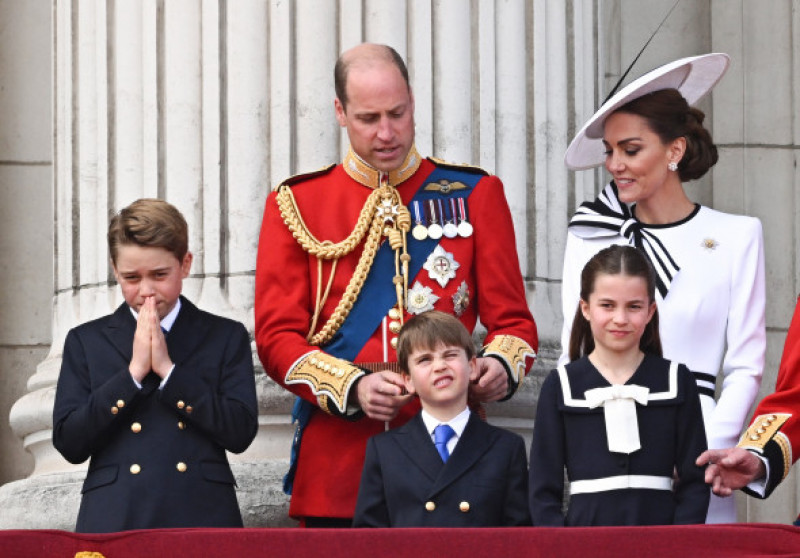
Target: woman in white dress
{"points": [[710, 265]]}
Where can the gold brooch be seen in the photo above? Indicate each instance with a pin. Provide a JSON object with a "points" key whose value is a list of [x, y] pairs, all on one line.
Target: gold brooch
{"points": [[709, 244]]}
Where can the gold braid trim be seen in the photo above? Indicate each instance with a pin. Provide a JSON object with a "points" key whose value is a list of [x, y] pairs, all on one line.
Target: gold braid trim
{"points": [[765, 429], [514, 352], [383, 204], [329, 378]]}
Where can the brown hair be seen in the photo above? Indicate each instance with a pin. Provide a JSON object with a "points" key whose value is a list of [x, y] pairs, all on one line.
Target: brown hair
{"points": [[149, 223], [670, 117], [372, 52], [614, 260], [428, 330]]}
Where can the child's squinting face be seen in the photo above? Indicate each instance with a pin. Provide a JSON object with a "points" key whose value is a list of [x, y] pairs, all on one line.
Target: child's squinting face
{"points": [[618, 310], [144, 272], [440, 376]]}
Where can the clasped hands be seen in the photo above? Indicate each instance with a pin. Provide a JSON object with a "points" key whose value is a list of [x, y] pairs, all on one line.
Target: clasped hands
{"points": [[149, 344]]}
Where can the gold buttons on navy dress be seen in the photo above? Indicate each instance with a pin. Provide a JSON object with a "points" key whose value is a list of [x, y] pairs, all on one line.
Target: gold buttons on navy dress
{"points": [[181, 424], [136, 427], [114, 410], [120, 403], [464, 507], [135, 469], [430, 506], [189, 409], [180, 404], [181, 467]]}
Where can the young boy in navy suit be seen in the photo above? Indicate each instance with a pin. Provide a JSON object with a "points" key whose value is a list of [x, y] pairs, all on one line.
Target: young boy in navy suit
{"points": [[446, 467], [156, 392]]}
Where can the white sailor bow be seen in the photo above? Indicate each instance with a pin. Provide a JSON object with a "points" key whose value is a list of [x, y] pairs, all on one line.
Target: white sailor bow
{"points": [[608, 216], [619, 409]]}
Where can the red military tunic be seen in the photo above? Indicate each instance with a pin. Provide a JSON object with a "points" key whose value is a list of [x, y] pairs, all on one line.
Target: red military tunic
{"points": [[774, 432], [288, 286]]}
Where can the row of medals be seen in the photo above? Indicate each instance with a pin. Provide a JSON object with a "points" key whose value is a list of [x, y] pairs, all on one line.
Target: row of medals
{"points": [[429, 214]]}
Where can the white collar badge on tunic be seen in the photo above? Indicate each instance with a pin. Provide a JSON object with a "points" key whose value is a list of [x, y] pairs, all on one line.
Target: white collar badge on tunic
{"points": [[420, 299], [441, 266]]}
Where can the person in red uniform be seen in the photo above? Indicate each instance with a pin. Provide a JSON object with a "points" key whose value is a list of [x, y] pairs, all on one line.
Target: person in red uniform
{"points": [[347, 254], [771, 444]]}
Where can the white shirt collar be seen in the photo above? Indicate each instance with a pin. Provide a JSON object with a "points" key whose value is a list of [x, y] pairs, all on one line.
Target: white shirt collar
{"points": [[169, 319], [457, 423]]}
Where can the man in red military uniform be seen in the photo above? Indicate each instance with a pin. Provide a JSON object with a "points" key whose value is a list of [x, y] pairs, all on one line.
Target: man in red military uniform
{"points": [[347, 254], [769, 447]]}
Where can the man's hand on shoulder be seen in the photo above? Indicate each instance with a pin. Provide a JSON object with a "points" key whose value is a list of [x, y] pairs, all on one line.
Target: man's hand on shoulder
{"points": [[381, 394], [490, 382]]}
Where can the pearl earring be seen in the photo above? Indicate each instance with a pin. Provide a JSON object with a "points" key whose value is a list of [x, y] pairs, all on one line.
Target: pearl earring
{"points": [[673, 166]]}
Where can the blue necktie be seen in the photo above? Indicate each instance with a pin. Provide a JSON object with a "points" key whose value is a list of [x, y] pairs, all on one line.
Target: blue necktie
{"points": [[441, 435]]}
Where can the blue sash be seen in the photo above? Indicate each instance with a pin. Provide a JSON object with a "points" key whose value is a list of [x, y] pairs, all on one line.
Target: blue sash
{"points": [[376, 298]]}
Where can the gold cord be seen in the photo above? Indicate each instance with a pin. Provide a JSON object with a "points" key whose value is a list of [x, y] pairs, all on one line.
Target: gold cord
{"points": [[369, 219]]}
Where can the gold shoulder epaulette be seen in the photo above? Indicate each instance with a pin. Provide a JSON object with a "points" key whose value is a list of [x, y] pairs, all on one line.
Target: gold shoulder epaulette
{"points": [[454, 166], [297, 178]]}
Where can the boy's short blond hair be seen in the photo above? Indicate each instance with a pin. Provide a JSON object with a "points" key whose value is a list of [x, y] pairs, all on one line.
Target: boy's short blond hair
{"points": [[149, 223], [428, 330]]}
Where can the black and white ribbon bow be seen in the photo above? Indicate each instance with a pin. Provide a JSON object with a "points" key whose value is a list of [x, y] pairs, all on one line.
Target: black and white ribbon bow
{"points": [[607, 216]]}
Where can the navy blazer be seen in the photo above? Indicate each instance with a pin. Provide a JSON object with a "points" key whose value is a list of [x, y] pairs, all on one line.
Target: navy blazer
{"points": [[157, 456], [405, 483]]}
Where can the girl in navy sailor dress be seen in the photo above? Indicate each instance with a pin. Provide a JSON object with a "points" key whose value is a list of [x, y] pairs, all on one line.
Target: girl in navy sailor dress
{"points": [[625, 423]]}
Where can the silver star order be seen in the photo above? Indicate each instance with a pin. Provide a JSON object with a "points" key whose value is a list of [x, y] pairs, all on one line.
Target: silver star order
{"points": [[420, 299], [461, 299], [441, 266]]}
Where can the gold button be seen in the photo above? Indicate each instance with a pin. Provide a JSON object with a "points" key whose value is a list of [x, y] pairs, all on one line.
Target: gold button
{"points": [[188, 409], [394, 327], [114, 410], [181, 404], [136, 427], [766, 423], [430, 506], [181, 424], [135, 469], [181, 467], [394, 314], [393, 343], [464, 507], [772, 417], [755, 437], [120, 403], [760, 430]]}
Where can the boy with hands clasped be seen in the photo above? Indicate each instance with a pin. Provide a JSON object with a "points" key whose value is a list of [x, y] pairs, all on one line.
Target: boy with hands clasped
{"points": [[417, 476], [156, 392]]}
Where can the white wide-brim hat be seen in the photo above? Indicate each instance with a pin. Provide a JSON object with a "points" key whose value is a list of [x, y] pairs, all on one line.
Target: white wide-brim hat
{"points": [[693, 77]]}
